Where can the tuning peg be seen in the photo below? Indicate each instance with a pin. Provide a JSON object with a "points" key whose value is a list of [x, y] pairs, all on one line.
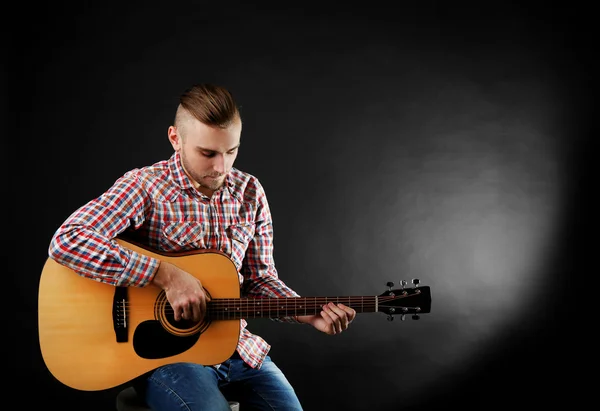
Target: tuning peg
{"points": [[390, 317], [416, 317], [390, 285], [402, 283], [402, 317], [416, 282]]}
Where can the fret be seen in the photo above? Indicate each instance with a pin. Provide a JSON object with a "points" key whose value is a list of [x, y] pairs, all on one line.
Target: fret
{"points": [[237, 308]]}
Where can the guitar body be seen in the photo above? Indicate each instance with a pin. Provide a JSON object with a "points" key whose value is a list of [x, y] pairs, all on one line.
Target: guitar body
{"points": [[87, 347]]}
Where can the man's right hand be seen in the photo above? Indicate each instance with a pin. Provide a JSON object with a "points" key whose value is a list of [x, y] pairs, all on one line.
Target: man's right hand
{"points": [[184, 292]]}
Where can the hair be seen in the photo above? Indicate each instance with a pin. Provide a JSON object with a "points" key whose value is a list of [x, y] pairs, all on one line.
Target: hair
{"points": [[210, 104]]}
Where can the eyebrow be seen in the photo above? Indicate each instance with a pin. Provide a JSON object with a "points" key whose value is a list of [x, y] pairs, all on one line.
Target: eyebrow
{"points": [[215, 151]]}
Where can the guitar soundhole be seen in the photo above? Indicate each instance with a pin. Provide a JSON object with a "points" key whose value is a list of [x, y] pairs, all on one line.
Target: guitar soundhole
{"points": [[163, 312], [164, 337]]}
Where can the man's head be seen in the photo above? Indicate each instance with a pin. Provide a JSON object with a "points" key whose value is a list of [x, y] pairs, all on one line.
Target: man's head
{"points": [[206, 133]]}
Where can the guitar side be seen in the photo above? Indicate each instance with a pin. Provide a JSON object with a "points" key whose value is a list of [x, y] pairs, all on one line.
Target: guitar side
{"points": [[76, 329]]}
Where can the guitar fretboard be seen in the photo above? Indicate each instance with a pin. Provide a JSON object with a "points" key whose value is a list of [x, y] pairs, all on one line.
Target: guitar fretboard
{"points": [[237, 308]]}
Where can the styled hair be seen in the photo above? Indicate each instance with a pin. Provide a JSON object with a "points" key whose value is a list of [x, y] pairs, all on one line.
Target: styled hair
{"points": [[210, 104]]}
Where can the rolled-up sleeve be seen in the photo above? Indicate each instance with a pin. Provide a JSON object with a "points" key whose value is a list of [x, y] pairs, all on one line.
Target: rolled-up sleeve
{"points": [[85, 242]]}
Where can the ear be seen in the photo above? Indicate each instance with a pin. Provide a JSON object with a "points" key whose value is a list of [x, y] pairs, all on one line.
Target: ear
{"points": [[174, 138]]}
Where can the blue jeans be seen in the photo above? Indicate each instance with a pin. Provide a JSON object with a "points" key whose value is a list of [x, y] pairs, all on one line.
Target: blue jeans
{"points": [[193, 387]]}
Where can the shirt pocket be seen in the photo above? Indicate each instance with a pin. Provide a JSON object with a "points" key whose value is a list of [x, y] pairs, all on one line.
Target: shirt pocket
{"points": [[240, 236], [182, 235]]}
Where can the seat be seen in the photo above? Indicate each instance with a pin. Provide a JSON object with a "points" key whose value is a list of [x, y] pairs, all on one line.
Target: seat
{"points": [[128, 400]]}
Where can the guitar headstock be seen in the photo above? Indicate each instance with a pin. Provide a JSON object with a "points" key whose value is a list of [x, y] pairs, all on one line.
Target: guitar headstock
{"points": [[413, 300]]}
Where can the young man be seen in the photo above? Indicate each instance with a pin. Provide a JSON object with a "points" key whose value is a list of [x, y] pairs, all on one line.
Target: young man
{"points": [[194, 200]]}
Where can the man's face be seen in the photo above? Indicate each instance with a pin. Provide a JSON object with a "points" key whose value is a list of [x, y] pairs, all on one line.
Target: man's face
{"points": [[207, 153]]}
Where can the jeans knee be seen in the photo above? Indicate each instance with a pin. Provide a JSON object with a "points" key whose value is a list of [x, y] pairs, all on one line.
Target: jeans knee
{"points": [[185, 386]]}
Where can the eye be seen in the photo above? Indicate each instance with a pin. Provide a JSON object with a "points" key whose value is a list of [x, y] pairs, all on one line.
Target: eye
{"points": [[232, 151], [208, 154]]}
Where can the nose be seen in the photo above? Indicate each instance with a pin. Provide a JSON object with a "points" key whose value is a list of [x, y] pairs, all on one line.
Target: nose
{"points": [[219, 164]]}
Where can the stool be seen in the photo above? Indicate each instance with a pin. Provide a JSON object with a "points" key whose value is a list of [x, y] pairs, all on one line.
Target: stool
{"points": [[128, 400]]}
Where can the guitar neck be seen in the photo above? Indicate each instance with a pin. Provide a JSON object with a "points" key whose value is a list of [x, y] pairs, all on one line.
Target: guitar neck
{"points": [[237, 308]]}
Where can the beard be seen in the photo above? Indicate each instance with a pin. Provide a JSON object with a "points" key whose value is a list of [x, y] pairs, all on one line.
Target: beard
{"points": [[212, 181]]}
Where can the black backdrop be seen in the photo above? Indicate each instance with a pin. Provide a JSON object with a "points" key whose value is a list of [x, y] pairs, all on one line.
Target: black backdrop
{"points": [[444, 142]]}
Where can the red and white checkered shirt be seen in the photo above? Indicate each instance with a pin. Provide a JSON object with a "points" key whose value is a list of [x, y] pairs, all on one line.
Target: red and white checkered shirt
{"points": [[161, 208]]}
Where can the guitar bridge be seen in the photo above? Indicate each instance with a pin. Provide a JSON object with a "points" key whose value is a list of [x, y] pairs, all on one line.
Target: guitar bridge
{"points": [[119, 313]]}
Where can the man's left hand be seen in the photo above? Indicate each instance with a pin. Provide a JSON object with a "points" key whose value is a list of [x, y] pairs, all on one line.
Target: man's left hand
{"points": [[333, 319]]}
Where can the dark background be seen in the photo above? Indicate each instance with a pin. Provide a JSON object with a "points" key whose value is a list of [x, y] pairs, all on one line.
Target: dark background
{"points": [[444, 141]]}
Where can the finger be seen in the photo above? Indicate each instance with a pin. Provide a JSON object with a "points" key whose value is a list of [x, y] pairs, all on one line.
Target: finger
{"points": [[202, 305], [351, 312], [196, 313], [187, 312], [327, 316], [176, 314], [342, 320], [333, 315]]}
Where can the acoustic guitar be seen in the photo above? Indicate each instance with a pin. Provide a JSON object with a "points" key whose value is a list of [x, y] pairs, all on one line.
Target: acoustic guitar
{"points": [[94, 336]]}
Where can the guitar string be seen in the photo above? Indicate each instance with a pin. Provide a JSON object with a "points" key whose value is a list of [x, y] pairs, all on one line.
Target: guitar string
{"points": [[284, 305], [295, 300], [236, 302]]}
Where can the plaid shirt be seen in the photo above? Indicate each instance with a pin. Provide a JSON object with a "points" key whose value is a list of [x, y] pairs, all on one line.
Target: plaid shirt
{"points": [[161, 208]]}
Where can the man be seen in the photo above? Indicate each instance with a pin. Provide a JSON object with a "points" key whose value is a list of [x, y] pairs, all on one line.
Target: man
{"points": [[194, 200]]}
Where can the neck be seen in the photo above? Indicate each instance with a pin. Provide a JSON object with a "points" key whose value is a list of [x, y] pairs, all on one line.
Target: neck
{"points": [[236, 308], [204, 190]]}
